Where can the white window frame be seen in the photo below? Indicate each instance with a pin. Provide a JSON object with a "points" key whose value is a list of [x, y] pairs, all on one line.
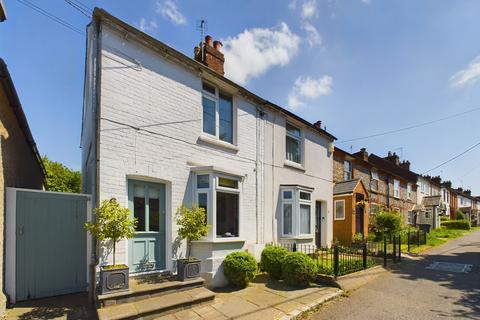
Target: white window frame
{"points": [[409, 191], [396, 191], [335, 210], [295, 201], [211, 192], [216, 98], [350, 172], [410, 217], [375, 177], [300, 139]]}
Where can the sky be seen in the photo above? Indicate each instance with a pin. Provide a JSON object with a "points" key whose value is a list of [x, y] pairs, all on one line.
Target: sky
{"points": [[362, 67]]}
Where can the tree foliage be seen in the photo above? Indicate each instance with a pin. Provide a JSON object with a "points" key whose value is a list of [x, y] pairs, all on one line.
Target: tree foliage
{"points": [[112, 222], [192, 224], [60, 178], [387, 222]]}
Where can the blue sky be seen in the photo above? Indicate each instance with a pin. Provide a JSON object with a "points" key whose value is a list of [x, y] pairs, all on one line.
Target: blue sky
{"points": [[362, 67]]}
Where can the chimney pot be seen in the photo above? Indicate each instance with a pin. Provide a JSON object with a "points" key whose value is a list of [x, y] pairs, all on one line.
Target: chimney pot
{"points": [[318, 124], [217, 45], [209, 41]]}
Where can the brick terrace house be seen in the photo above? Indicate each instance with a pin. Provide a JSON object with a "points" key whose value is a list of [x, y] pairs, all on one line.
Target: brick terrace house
{"points": [[161, 129]]}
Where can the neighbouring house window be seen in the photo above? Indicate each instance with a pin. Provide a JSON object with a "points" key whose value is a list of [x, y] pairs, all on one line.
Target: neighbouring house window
{"points": [[296, 213], [409, 191], [339, 209], [396, 210], [225, 209], [374, 208], [428, 213], [347, 170], [375, 179], [396, 188], [410, 217], [293, 143], [218, 113]]}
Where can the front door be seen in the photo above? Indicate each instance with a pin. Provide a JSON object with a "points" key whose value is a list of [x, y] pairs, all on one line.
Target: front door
{"points": [[147, 202], [318, 223]]}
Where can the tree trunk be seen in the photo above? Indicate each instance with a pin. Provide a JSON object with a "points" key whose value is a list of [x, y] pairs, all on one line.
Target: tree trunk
{"points": [[188, 249], [114, 250]]}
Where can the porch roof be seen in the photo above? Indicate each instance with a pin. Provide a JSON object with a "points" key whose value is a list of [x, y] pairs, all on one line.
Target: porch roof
{"points": [[345, 186], [432, 201]]}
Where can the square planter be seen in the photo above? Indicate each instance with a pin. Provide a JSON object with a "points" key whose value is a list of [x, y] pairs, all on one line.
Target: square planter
{"points": [[113, 280], [188, 269]]}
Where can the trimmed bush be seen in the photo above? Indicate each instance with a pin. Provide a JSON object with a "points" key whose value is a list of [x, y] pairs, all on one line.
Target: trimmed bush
{"points": [[298, 269], [271, 261], [456, 224], [240, 268], [459, 215]]}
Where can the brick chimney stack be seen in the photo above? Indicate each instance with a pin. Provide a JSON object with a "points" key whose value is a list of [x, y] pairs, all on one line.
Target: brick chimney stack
{"points": [[209, 53], [467, 192], [393, 157], [405, 165], [363, 154], [318, 124]]}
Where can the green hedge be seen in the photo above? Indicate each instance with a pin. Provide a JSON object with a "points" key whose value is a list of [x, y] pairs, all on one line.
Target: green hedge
{"points": [[271, 261], [240, 268], [298, 269], [456, 224]]}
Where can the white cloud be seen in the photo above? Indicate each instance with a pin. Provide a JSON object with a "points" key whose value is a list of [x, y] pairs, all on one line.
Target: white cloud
{"points": [[313, 36], [467, 76], [366, 2], [147, 25], [308, 88], [309, 9], [254, 51], [293, 4], [169, 10]]}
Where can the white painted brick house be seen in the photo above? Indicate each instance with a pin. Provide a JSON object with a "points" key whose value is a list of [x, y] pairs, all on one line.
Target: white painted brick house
{"points": [[161, 130]]}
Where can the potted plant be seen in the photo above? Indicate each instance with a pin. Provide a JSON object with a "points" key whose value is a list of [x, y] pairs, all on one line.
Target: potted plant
{"points": [[192, 224], [112, 223]]}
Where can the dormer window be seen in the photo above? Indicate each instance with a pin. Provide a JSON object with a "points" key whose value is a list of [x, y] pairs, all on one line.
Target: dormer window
{"points": [[218, 113], [296, 215]]}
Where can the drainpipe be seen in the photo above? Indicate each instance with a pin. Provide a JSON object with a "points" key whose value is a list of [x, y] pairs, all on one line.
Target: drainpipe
{"points": [[388, 192]]}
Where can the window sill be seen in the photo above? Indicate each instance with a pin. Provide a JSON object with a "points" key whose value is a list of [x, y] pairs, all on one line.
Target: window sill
{"points": [[294, 165], [301, 237], [220, 240], [219, 143]]}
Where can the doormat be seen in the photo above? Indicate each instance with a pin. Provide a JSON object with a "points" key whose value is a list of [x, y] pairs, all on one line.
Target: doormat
{"points": [[450, 267]]}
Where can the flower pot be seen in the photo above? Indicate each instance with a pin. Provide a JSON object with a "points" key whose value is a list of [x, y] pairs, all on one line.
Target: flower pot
{"points": [[113, 279], [188, 269]]}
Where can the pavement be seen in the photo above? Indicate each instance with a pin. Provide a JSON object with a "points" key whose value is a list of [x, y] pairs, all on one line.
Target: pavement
{"points": [[261, 300], [427, 288]]}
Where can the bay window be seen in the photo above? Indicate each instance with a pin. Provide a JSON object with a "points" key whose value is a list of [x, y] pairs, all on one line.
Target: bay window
{"points": [[219, 195], [218, 113], [293, 143], [296, 211]]}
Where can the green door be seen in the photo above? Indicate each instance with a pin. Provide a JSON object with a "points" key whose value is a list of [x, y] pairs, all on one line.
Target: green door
{"points": [[51, 244], [147, 204]]}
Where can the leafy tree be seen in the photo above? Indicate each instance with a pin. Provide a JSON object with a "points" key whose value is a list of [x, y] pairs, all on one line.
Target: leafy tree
{"points": [[460, 215], [112, 222], [388, 222], [60, 178], [192, 224]]}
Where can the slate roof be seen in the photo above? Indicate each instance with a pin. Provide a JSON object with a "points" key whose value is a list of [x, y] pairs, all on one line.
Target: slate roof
{"points": [[386, 165], [345, 187], [432, 201]]}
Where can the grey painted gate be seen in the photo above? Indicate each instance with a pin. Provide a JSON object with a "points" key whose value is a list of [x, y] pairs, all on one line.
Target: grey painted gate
{"points": [[51, 244]]}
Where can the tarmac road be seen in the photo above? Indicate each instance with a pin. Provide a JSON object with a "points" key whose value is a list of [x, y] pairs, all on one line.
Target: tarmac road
{"points": [[412, 291]]}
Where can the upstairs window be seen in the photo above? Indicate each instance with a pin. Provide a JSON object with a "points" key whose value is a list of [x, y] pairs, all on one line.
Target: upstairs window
{"points": [[217, 113], [409, 191], [375, 179], [293, 143], [396, 188], [296, 213], [347, 170]]}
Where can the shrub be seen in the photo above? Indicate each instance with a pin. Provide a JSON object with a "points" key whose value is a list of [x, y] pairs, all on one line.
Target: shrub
{"points": [[456, 224], [388, 222], [240, 268], [444, 218], [298, 269], [272, 259], [460, 215]]}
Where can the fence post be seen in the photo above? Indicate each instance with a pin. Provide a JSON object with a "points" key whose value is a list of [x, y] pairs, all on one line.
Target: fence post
{"points": [[408, 240], [335, 260], [399, 247], [294, 248], [384, 251], [364, 255], [394, 248]]}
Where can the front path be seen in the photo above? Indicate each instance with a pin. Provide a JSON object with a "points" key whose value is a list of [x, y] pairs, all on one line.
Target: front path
{"points": [[413, 291]]}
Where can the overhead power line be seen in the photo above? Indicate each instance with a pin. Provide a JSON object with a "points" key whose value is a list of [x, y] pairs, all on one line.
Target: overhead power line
{"points": [[453, 158], [409, 127], [51, 16], [83, 9]]}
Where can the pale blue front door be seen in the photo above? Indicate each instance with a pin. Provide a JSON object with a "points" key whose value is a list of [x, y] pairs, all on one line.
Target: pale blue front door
{"points": [[147, 202]]}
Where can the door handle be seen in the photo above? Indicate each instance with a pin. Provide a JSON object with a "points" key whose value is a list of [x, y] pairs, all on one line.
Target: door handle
{"points": [[20, 231]]}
